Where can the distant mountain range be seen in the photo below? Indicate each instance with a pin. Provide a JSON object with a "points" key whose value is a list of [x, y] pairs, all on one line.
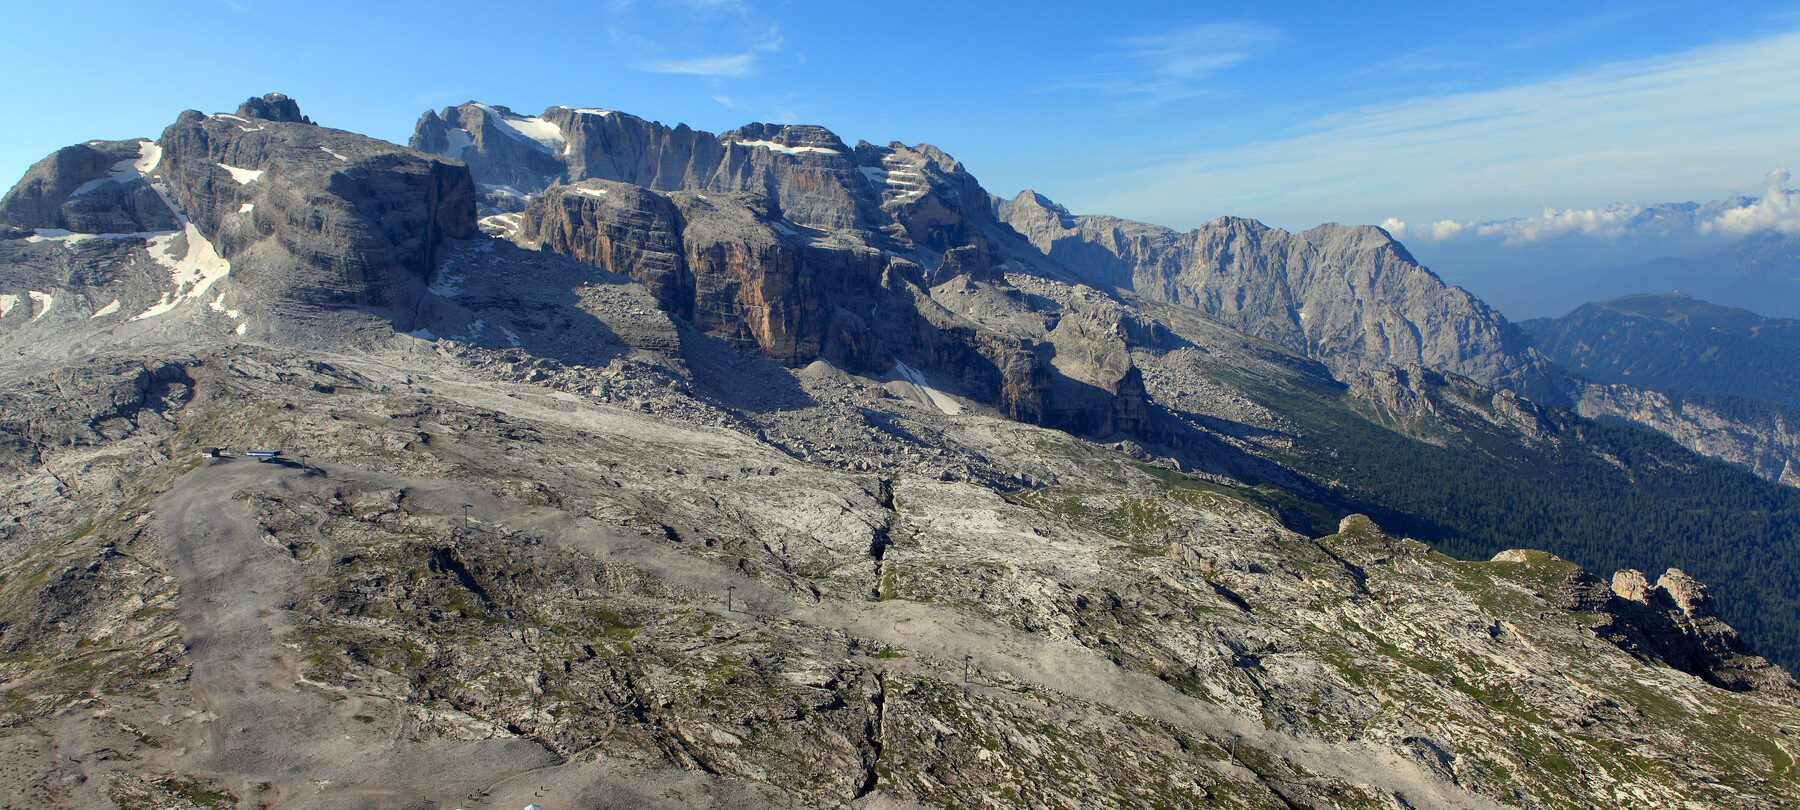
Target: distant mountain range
{"points": [[1677, 344]]}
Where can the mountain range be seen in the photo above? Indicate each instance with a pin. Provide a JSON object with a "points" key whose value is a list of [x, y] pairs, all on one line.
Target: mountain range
{"points": [[629, 463]]}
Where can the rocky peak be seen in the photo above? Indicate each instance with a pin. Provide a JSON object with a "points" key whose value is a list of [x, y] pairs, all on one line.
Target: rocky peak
{"points": [[791, 136], [1632, 586], [1033, 214], [1686, 592], [1349, 296], [1334, 236], [258, 190], [273, 107]]}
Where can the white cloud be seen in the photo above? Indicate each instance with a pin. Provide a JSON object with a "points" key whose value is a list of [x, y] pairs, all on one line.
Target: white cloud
{"points": [[712, 38], [732, 65], [1670, 127], [1174, 65], [1609, 221], [1439, 230], [1778, 209], [728, 101]]}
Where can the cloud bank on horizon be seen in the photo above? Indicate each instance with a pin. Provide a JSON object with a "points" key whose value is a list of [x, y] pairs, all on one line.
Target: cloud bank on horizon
{"points": [[1660, 127], [1778, 209]]}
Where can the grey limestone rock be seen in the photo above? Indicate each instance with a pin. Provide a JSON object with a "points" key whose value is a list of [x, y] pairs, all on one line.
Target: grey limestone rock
{"points": [[918, 197], [95, 187], [728, 264], [273, 107], [1349, 296], [315, 216], [1762, 437]]}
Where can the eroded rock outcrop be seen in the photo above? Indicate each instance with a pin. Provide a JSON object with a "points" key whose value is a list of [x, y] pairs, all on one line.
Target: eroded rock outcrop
{"points": [[1674, 621], [1670, 620], [273, 107]]}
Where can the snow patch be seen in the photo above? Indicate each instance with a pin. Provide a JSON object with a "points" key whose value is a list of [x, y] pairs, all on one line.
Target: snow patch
{"points": [[791, 150], [242, 327], [505, 224], [446, 285], [510, 337], [246, 208], [886, 177], [218, 304], [242, 122], [162, 305], [70, 237], [127, 170], [593, 111], [243, 176], [42, 298], [345, 159], [149, 156], [422, 334], [7, 302], [505, 190], [536, 130], [943, 401], [192, 274], [458, 140], [105, 310], [591, 192]]}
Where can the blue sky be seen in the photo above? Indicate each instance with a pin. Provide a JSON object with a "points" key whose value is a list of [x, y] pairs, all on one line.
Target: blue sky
{"points": [[1176, 113]]}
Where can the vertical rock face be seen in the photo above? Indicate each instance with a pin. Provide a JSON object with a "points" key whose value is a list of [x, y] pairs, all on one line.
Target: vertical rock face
{"points": [[1348, 296], [500, 157], [905, 197], [621, 228], [734, 269], [311, 215], [1765, 437], [783, 240]]}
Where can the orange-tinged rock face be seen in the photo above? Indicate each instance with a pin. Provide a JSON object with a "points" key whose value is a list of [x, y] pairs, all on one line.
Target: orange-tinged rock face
{"points": [[1631, 584]]}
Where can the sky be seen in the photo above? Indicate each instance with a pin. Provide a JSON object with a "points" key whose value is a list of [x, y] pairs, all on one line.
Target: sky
{"points": [[1294, 113]]}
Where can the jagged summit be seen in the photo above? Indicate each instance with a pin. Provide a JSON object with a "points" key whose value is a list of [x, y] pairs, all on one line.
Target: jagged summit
{"points": [[1349, 296], [273, 107]]}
